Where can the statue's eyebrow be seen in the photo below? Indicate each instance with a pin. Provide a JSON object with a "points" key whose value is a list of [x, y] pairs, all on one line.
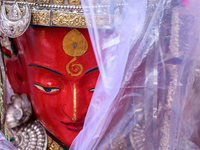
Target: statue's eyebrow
{"points": [[92, 69], [45, 68]]}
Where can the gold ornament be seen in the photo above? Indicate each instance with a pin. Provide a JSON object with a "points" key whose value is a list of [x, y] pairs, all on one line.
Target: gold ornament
{"points": [[52, 145], [74, 44], [74, 2]]}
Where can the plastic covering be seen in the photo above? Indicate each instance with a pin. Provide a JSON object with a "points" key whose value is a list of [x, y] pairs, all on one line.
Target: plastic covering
{"points": [[144, 98], [4, 144]]}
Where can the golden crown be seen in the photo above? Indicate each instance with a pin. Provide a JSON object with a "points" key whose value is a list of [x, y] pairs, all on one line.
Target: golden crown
{"points": [[64, 13]]}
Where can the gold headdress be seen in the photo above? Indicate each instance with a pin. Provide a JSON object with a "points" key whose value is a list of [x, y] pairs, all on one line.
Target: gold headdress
{"points": [[63, 13]]}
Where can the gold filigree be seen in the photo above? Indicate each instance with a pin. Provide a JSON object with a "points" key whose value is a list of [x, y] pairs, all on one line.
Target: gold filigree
{"points": [[58, 1], [3, 126], [52, 145], [67, 19], [75, 2], [54, 18], [77, 69], [44, 1], [49, 141], [40, 17], [74, 101]]}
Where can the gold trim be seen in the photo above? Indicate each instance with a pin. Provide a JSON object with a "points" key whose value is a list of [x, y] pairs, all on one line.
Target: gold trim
{"points": [[40, 17], [63, 19], [74, 2], [52, 145], [74, 101], [58, 1], [43, 1], [67, 19]]}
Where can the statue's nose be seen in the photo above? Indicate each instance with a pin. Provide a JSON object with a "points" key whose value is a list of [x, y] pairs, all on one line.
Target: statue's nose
{"points": [[68, 112], [76, 108]]}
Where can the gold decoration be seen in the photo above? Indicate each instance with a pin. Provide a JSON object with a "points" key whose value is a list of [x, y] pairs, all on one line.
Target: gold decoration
{"points": [[67, 19], [44, 1], [75, 2], [37, 17], [3, 126], [74, 43], [1, 104], [8, 9], [54, 18], [58, 1], [74, 102], [28, 0], [52, 145], [76, 68], [40, 17]]}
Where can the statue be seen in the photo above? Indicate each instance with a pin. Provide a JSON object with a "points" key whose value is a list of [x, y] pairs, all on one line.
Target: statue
{"points": [[145, 65], [57, 70]]}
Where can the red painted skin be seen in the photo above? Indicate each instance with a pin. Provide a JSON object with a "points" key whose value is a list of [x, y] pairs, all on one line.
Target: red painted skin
{"points": [[54, 107]]}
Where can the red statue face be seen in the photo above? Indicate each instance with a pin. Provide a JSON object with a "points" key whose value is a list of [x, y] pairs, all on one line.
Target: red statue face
{"points": [[57, 69]]}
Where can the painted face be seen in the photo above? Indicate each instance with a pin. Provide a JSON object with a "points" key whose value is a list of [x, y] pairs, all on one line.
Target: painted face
{"points": [[57, 69]]}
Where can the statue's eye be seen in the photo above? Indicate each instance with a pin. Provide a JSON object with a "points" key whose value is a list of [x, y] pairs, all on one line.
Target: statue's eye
{"points": [[45, 89], [92, 89]]}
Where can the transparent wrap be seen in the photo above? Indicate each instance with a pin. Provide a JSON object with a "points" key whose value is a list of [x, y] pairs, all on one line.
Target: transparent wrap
{"points": [[146, 52], [4, 144]]}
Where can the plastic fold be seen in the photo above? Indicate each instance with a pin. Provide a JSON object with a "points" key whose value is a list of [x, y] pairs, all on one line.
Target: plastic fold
{"points": [[146, 97]]}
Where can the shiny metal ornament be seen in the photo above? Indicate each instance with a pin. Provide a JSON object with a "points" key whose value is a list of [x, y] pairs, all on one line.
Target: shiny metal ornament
{"points": [[31, 136], [19, 111], [14, 24]]}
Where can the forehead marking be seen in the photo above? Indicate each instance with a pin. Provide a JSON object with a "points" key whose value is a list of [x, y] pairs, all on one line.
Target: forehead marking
{"points": [[76, 68], [75, 45]]}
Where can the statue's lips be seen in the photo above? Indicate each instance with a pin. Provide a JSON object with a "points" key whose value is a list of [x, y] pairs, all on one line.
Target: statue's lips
{"points": [[74, 126]]}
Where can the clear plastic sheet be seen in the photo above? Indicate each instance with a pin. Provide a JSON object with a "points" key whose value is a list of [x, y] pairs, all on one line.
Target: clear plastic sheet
{"points": [[4, 144], [144, 96]]}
